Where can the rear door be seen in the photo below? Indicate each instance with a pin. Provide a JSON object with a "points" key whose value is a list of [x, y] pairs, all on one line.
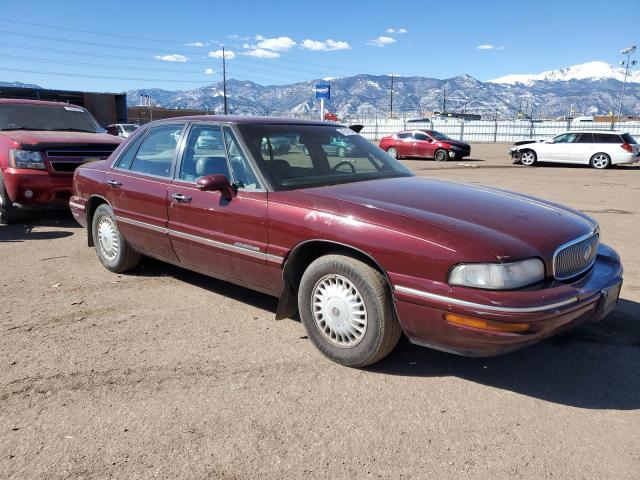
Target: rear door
{"points": [[138, 185], [405, 144], [227, 238], [582, 148], [423, 146]]}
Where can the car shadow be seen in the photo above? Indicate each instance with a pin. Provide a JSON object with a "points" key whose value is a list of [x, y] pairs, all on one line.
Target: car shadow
{"points": [[150, 267], [581, 166], [21, 232], [593, 366]]}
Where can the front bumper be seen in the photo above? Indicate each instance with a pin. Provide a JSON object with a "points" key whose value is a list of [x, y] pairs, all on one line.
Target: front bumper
{"points": [[47, 191], [548, 311]]}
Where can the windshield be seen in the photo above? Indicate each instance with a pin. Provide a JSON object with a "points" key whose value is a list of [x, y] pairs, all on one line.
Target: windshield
{"points": [[438, 135], [129, 128], [46, 117], [316, 155]]}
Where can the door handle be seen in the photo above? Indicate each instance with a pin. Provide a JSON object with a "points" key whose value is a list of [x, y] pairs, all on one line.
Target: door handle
{"points": [[179, 197], [114, 183]]}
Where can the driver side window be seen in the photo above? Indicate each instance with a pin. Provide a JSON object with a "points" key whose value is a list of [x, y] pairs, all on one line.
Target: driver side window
{"points": [[203, 154]]}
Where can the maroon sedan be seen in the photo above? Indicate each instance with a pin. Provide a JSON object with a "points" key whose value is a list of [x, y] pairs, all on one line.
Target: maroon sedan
{"points": [[424, 144], [358, 245]]}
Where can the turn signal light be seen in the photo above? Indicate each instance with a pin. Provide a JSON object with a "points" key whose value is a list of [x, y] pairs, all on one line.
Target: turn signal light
{"points": [[486, 324]]}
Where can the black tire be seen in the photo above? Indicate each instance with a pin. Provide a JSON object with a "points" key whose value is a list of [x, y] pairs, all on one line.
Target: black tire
{"points": [[8, 213], [600, 161], [528, 158], [382, 330], [125, 258], [393, 151], [440, 155]]}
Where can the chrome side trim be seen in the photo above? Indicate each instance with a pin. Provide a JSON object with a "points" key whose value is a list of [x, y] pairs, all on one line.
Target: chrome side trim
{"points": [[155, 228], [491, 308], [76, 205], [243, 248]]}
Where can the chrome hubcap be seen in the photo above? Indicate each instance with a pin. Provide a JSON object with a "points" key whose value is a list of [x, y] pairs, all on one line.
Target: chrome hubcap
{"points": [[108, 239], [393, 152], [527, 158], [600, 161], [339, 311]]}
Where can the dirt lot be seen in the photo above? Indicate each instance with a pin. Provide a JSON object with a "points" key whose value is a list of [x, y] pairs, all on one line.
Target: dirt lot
{"points": [[164, 373]]}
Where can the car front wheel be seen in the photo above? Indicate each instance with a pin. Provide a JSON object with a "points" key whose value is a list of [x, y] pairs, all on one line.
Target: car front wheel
{"points": [[528, 158], [441, 155], [393, 151], [346, 308], [113, 250], [600, 161], [8, 213]]}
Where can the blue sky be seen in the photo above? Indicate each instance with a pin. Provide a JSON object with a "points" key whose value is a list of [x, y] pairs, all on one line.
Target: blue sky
{"points": [[145, 44]]}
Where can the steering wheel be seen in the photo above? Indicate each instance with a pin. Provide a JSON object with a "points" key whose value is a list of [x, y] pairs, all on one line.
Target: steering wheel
{"points": [[344, 162]]}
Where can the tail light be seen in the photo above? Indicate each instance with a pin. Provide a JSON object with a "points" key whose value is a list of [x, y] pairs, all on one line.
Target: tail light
{"points": [[627, 147]]}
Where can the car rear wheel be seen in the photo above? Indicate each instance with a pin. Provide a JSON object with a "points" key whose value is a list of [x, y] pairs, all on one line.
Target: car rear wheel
{"points": [[113, 250], [600, 161], [441, 155], [8, 213], [346, 308], [393, 151], [528, 158]]}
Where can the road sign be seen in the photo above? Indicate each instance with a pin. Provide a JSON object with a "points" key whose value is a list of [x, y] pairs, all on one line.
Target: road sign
{"points": [[323, 91]]}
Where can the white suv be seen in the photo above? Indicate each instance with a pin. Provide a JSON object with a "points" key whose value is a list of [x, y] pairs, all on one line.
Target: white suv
{"points": [[598, 148]]}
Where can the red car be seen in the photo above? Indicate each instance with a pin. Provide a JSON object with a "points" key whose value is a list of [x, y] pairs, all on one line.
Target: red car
{"points": [[41, 144], [358, 245], [424, 144]]}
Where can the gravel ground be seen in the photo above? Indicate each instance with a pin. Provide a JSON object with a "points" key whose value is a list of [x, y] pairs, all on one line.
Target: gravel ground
{"points": [[163, 373]]}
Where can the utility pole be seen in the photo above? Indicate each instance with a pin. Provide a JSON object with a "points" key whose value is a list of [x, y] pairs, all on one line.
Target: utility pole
{"points": [[391, 103], [224, 81], [626, 64]]}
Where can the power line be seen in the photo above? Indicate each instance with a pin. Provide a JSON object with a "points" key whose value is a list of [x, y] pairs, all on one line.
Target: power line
{"points": [[66, 74]]}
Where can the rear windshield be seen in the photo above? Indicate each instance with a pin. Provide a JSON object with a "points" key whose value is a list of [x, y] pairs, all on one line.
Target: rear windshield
{"points": [[46, 117], [302, 156], [628, 138]]}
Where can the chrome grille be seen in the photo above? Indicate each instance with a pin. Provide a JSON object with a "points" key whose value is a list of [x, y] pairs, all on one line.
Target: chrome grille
{"points": [[575, 257]]}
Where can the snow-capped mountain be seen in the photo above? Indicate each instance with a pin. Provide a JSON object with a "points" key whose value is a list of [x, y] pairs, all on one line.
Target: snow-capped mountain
{"points": [[586, 71], [368, 96]]}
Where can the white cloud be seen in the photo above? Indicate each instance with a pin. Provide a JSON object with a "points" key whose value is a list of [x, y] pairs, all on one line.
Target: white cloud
{"points": [[228, 54], [390, 30], [381, 41], [259, 38], [396, 30], [209, 71], [172, 58], [195, 44], [485, 46], [276, 44], [235, 36], [326, 46], [262, 53], [402, 30]]}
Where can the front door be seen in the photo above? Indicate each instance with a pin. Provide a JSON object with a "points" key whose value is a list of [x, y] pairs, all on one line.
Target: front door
{"points": [[138, 185], [227, 238], [558, 151]]}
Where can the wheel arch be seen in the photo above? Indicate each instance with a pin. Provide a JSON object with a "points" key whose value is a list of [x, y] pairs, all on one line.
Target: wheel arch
{"points": [[301, 256], [92, 203]]}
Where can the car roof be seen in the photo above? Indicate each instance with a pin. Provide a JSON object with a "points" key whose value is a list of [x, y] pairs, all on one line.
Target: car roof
{"points": [[596, 130], [13, 101], [249, 120]]}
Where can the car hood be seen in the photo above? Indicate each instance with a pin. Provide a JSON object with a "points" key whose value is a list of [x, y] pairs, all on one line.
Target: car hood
{"points": [[455, 142], [44, 139], [506, 224]]}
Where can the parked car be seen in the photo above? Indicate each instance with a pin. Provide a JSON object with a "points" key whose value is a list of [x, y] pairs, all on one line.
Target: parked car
{"points": [[599, 148], [424, 144], [41, 144], [337, 147], [359, 246], [122, 129]]}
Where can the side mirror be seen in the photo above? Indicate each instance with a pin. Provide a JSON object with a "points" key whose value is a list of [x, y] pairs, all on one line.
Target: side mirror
{"points": [[216, 183]]}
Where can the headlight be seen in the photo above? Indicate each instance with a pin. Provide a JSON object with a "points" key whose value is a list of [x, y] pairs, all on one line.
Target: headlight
{"points": [[498, 276], [26, 159]]}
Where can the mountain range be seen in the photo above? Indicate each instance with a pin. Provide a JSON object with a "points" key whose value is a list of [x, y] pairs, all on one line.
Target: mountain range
{"points": [[587, 89]]}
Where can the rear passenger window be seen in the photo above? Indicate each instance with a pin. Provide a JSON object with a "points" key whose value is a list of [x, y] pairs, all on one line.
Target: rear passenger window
{"points": [[404, 135], [157, 151], [127, 157], [607, 138], [584, 138]]}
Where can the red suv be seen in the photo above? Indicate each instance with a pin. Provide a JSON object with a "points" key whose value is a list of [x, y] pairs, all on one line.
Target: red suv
{"points": [[41, 144], [424, 144]]}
